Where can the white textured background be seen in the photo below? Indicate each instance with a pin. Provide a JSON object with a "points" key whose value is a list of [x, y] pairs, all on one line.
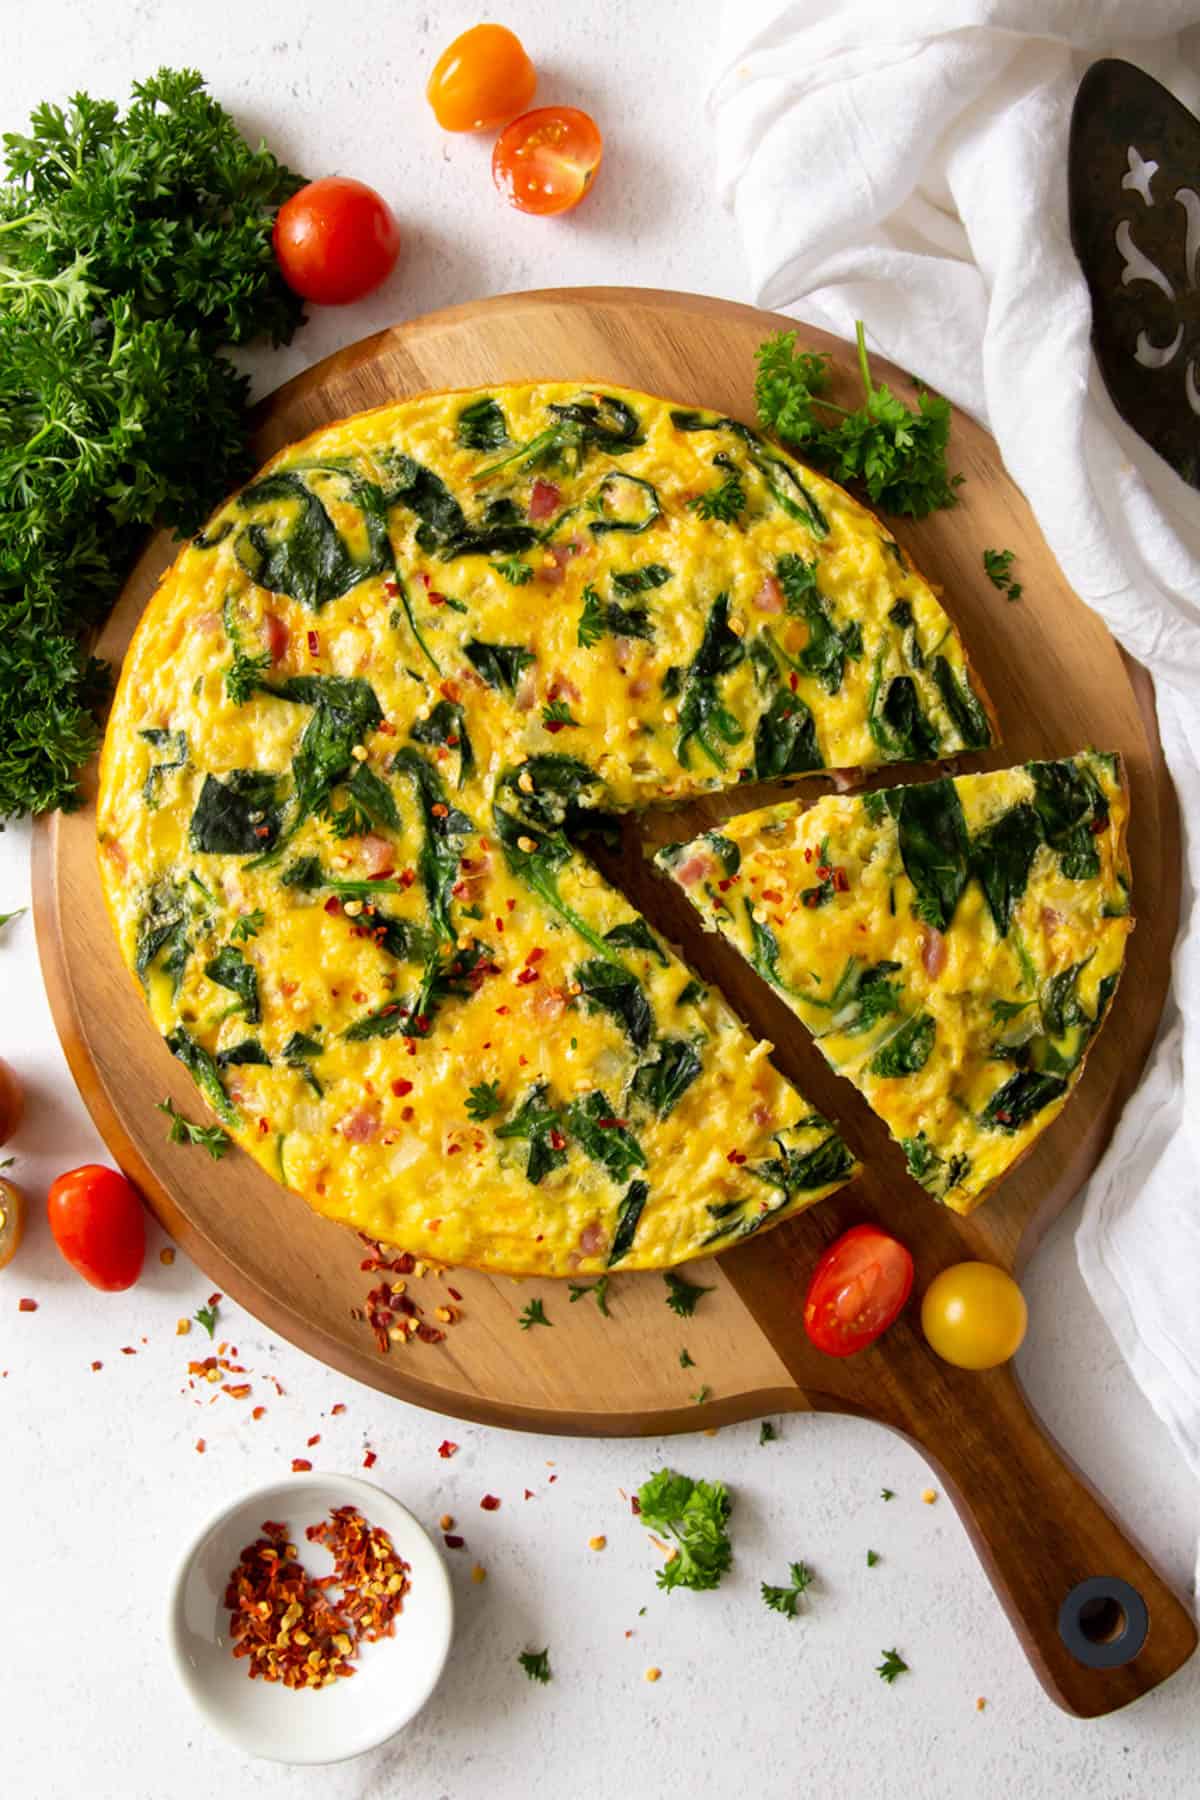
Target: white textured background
{"points": [[99, 1481]]}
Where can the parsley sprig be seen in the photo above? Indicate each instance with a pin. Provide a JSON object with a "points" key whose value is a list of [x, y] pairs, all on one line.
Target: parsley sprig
{"points": [[786, 1600], [898, 455], [534, 1314], [483, 1101], [181, 1131], [207, 1316], [893, 1664], [694, 1514]]}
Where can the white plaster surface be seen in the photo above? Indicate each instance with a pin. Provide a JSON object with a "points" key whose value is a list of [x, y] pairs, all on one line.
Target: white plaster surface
{"points": [[99, 1482]]}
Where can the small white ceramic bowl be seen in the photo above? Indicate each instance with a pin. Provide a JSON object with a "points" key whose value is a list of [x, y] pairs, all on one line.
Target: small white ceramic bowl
{"points": [[394, 1678]]}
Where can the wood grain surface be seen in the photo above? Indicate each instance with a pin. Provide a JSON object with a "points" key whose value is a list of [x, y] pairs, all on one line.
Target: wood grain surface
{"points": [[1059, 683]]}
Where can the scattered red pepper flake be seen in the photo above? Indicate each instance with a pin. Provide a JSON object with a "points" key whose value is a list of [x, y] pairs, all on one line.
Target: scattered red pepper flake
{"points": [[314, 1439], [32, 1306], [529, 1493], [736, 1157], [452, 1541], [97, 1365], [336, 1411], [841, 882], [201, 1446], [300, 1465], [333, 904], [490, 1503], [369, 1459], [314, 644], [401, 1087], [258, 1412], [454, 1293], [126, 1349], [446, 1448]]}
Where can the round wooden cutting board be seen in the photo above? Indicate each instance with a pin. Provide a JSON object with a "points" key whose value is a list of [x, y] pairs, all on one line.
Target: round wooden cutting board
{"points": [[1059, 683]]}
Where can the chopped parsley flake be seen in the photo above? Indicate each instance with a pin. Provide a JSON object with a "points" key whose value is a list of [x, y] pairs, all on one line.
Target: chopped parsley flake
{"points": [[998, 568], [536, 1663], [872, 1558], [893, 1664], [534, 1314], [685, 1361], [207, 1316], [887, 1493], [483, 1101], [248, 925], [767, 1432], [683, 1296], [599, 1288]]}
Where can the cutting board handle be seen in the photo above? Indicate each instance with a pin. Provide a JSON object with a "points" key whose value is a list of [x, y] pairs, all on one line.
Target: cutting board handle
{"points": [[1099, 1624]]}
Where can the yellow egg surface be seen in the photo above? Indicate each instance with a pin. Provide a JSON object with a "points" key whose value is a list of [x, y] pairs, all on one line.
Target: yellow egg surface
{"points": [[952, 946], [349, 731]]}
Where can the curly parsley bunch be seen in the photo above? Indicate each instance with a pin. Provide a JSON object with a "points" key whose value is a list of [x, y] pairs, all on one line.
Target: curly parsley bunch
{"points": [[132, 250]]}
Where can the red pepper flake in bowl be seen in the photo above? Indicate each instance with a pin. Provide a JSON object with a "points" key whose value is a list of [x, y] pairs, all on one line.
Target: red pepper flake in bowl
{"points": [[288, 1625]]}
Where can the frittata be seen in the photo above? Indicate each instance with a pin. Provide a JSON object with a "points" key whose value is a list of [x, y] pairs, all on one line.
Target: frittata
{"points": [[352, 725], [952, 946]]}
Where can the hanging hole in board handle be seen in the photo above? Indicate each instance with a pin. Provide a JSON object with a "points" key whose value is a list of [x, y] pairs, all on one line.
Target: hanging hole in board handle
{"points": [[1103, 1622]]}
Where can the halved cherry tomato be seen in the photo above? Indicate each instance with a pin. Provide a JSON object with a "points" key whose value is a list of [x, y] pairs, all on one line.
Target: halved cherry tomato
{"points": [[481, 79], [974, 1315], [12, 1219], [857, 1290], [98, 1224], [335, 240], [12, 1101], [545, 161]]}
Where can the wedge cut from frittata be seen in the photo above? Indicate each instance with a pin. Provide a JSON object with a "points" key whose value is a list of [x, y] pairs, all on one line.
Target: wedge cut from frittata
{"points": [[952, 946]]}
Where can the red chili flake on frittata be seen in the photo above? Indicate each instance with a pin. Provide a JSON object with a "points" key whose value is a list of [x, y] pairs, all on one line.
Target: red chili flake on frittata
{"points": [[490, 1502], [841, 882], [401, 1087], [446, 1448], [314, 644], [736, 1156]]}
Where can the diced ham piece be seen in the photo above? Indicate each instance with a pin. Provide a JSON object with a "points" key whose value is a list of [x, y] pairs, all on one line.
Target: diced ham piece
{"points": [[640, 686], [360, 1127], [769, 598], [933, 951], [526, 691], [543, 501], [278, 636], [762, 1114], [696, 867], [593, 1239], [378, 855]]}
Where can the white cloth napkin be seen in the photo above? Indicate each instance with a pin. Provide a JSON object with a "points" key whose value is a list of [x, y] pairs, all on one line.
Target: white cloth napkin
{"points": [[904, 162]]}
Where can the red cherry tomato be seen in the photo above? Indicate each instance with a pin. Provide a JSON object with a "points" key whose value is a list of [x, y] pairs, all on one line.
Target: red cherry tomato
{"points": [[857, 1290], [481, 79], [335, 240], [98, 1224], [12, 1101], [545, 161]]}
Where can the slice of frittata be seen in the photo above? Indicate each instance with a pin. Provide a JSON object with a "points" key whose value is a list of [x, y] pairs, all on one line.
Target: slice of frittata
{"points": [[953, 947]]}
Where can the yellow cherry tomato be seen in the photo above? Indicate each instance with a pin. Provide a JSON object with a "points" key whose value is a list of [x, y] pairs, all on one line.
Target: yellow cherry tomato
{"points": [[482, 79], [12, 1219], [974, 1315]]}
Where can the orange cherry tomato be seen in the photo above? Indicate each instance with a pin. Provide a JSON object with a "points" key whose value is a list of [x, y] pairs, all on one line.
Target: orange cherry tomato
{"points": [[12, 1219], [857, 1290], [546, 161], [98, 1224], [335, 240], [483, 78], [12, 1101]]}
